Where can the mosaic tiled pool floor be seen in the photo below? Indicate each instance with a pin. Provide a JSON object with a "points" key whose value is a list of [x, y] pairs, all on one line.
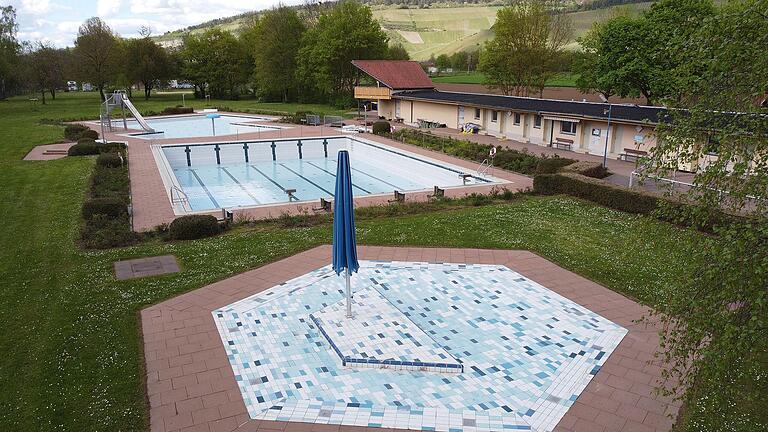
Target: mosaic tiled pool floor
{"points": [[526, 351]]}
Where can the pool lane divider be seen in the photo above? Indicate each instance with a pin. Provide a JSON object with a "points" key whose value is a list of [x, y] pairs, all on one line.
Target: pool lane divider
{"points": [[307, 180], [372, 176], [334, 176], [199, 180], [242, 186], [270, 179]]}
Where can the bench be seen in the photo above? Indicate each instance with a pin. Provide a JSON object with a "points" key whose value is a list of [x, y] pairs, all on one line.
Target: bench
{"points": [[632, 155], [325, 206], [438, 193], [563, 143]]}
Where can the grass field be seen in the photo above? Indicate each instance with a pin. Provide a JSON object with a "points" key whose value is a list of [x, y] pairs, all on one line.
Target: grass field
{"points": [[70, 342], [560, 80]]}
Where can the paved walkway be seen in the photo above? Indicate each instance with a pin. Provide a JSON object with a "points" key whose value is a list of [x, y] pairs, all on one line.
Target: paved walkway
{"points": [[49, 151], [191, 386], [151, 203]]}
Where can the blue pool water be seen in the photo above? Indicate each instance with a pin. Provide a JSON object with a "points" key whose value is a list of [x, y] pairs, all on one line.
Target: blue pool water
{"points": [[527, 352], [269, 173], [199, 126]]}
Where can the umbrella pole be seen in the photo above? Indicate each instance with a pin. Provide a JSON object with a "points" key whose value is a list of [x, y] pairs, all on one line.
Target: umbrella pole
{"points": [[349, 294]]}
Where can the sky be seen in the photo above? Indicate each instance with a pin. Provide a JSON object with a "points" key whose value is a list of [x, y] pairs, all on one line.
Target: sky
{"points": [[57, 21]]}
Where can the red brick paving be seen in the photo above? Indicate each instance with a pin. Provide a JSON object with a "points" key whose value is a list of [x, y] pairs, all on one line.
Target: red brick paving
{"points": [[152, 207], [191, 386]]}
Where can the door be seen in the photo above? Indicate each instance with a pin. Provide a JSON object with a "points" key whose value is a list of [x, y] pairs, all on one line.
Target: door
{"points": [[460, 120], [597, 141], [397, 108]]}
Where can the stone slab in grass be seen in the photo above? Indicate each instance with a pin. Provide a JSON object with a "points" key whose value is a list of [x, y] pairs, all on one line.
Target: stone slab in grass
{"points": [[142, 267]]}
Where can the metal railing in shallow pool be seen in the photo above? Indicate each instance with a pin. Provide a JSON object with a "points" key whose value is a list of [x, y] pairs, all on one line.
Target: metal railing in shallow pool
{"points": [[178, 196]]}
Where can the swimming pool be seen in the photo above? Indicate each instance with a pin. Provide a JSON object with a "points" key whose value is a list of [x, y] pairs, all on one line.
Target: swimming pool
{"points": [[244, 174], [199, 126]]}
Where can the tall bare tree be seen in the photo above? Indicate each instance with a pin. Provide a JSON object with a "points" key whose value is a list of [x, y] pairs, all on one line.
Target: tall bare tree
{"points": [[97, 53], [524, 53]]}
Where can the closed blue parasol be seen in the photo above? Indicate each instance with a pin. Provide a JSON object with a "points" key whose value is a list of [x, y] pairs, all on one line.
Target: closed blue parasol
{"points": [[344, 244]]}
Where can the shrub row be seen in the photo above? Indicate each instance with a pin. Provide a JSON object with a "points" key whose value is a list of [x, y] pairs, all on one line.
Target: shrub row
{"points": [[381, 128], [589, 169], [552, 165], [86, 147], [627, 199], [105, 211], [598, 191], [74, 132], [512, 160]]}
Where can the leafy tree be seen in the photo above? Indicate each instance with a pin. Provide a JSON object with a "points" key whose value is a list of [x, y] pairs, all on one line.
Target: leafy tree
{"points": [[442, 62], [96, 53], [344, 33], [274, 41], [459, 61], [398, 52], [645, 55], [528, 39], [45, 69], [216, 61], [146, 62], [715, 323], [9, 49]]}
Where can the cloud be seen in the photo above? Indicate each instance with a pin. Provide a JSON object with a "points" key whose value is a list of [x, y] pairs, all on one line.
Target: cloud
{"points": [[105, 8], [35, 7]]}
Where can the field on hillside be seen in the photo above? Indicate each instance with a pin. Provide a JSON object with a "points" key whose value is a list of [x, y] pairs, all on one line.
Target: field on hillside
{"points": [[443, 30], [559, 80]]}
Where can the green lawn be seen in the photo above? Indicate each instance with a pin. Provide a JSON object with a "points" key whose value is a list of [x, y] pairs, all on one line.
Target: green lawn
{"points": [[70, 342], [559, 80]]}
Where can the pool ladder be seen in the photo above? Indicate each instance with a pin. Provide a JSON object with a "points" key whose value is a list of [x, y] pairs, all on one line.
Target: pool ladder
{"points": [[178, 196], [485, 166]]}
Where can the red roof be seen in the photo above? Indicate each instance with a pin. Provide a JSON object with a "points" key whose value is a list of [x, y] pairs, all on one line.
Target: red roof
{"points": [[396, 74]]}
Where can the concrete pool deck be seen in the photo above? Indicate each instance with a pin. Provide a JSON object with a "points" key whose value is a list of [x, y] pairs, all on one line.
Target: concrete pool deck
{"points": [[191, 385], [152, 207]]}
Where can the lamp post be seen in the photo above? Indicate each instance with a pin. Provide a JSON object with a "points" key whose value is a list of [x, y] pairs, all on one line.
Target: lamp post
{"points": [[608, 111]]}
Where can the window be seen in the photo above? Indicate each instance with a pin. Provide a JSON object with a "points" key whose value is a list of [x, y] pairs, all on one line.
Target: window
{"points": [[567, 127], [517, 119], [477, 113], [494, 116], [537, 122]]}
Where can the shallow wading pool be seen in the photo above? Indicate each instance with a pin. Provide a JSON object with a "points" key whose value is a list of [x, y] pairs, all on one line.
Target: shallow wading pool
{"points": [[190, 126], [245, 174]]}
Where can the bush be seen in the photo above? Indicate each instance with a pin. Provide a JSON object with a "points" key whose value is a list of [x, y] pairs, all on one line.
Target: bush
{"points": [[193, 227], [589, 169], [552, 165], [90, 133], [101, 232], [598, 191], [109, 182], [178, 110], [381, 128], [74, 132], [109, 206], [112, 147], [84, 148], [111, 160]]}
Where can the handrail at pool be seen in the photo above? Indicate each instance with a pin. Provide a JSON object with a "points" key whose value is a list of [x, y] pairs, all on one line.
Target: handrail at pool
{"points": [[181, 197]]}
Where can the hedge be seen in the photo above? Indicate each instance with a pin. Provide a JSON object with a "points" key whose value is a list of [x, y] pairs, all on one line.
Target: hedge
{"points": [[178, 110], [84, 148], [629, 200], [113, 207], [552, 165], [111, 160], [90, 133], [73, 132], [381, 128], [589, 169], [192, 227]]}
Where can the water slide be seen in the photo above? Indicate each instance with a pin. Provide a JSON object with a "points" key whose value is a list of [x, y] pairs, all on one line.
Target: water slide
{"points": [[127, 103]]}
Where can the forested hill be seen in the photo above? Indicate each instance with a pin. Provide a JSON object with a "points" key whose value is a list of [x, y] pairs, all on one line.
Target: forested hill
{"points": [[430, 28]]}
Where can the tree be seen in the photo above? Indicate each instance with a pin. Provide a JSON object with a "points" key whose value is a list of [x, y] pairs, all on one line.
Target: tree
{"points": [[344, 33], [715, 323], [9, 49], [96, 53], [216, 61], [398, 52], [274, 41], [45, 69], [146, 62], [459, 61], [645, 55], [442, 62], [523, 54]]}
